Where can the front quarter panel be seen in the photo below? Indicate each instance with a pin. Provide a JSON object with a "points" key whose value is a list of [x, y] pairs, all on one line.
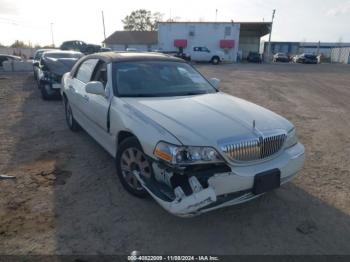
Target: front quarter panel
{"points": [[64, 83], [125, 117]]}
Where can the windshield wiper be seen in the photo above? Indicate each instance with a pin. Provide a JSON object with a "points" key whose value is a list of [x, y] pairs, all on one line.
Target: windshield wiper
{"points": [[193, 93], [141, 95], [165, 94]]}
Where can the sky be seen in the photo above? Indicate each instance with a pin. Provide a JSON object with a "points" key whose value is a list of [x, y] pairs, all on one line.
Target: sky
{"points": [[295, 20]]}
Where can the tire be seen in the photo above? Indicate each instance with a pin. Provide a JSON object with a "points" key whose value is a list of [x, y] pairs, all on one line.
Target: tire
{"points": [[130, 158], [71, 122], [215, 60], [44, 93]]}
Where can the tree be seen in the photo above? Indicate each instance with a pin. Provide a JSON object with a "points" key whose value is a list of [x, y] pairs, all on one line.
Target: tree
{"points": [[20, 44], [142, 20]]}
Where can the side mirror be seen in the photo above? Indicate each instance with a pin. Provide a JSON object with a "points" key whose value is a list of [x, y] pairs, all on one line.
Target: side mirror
{"points": [[36, 63], [215, 82], [95, 87]]}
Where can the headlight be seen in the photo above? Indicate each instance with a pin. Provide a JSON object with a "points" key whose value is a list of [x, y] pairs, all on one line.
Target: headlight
{"points": [[292, 138], [174, 154]]}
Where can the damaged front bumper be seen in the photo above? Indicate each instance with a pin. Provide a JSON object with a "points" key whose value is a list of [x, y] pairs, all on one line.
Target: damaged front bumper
{"points": [[200, 191]]}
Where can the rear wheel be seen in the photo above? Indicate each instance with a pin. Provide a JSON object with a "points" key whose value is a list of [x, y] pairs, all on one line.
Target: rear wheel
{"points": [[72, 124], [131, 160], [46, 91]]}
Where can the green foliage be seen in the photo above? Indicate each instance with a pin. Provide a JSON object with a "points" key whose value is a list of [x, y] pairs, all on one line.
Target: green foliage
{"points": [[142, 20]]}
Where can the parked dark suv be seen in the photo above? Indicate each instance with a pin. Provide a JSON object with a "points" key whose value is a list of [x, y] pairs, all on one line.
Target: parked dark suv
{"points": [[80, 46], [307, 59], [254, 57]]}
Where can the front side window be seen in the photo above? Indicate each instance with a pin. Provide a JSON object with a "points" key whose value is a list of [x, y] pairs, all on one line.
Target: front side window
{"points": [[85, 70], [100, 73], [158, 78]]}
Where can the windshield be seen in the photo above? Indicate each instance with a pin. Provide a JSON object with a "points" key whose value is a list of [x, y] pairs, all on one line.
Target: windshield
{"points": [[38, 55], [63, 55], [158, 78]]}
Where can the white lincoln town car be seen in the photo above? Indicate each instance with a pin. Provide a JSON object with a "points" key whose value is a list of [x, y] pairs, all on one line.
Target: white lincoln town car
{"points": [[175, 136]]}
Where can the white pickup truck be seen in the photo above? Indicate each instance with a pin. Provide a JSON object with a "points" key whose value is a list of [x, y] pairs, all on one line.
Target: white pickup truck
{"points": [[203, 54]]}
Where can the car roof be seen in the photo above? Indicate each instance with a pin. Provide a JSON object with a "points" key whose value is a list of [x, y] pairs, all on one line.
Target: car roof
{"points": [[12, 56], [45, 49], [68, 41], [132, 56], [62, 52]]}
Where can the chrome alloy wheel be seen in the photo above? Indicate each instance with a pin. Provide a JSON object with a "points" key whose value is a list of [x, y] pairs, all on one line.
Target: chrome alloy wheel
{"points": [[134, 161]]}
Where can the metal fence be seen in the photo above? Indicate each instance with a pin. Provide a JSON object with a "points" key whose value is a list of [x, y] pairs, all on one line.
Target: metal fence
{"points": [[25, 53], [340, 55]]}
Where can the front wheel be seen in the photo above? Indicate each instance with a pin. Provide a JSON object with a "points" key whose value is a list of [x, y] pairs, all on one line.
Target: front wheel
{"points": [[215, 60], [131, 160]]}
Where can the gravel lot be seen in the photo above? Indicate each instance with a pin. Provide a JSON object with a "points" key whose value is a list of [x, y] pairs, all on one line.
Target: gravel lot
{"points": [[67, 200]]}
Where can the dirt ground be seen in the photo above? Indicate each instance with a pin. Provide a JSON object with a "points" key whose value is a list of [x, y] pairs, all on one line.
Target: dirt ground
{"points": [[66, 198]]}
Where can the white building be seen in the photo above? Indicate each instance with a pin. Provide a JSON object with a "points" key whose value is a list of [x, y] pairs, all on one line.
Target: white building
{"points": [[234, 39], [186, 35]]}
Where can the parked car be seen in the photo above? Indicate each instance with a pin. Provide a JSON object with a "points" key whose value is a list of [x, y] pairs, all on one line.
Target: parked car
{"points": [[36, 59], [52, 66], [178, 54], [105, 49], [80, 46], [5, 57], [175, 136], [306, 59], [254, 57], [203, 54], [280, 57]]}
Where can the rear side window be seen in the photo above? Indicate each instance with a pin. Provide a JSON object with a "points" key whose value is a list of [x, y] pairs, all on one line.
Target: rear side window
{"points": [[85, 70]]}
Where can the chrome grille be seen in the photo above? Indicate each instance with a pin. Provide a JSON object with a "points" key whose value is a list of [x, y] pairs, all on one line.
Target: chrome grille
{"points": [[254, 148]]}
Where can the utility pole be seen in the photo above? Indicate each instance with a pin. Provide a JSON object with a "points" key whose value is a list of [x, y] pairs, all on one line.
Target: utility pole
{"points": [[269, 45], [53, 42], [103, 23], [216, 15]]}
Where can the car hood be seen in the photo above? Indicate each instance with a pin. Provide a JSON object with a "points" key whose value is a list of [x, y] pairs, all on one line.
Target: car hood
{"points": [[59, 66], [206, 119]]}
